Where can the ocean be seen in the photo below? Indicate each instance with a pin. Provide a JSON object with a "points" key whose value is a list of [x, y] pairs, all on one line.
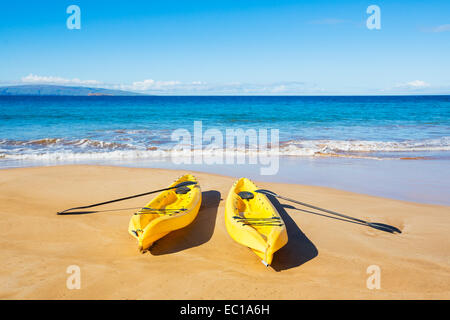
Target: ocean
{"points": [[95, 127], [137, 131]]}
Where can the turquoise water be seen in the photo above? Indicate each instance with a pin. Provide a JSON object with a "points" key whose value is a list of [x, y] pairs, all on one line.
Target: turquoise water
{"points": [[350, 143], [68, 128]]}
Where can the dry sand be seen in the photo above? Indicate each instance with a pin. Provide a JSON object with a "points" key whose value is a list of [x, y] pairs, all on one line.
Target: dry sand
{"points": [[325, 258]]}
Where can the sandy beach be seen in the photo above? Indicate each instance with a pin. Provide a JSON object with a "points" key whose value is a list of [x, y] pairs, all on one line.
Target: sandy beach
{"points": [[325, 258]]}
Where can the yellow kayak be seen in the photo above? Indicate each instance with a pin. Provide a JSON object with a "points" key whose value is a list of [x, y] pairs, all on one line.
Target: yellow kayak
{"points": [[171, 210], [253, 221]]}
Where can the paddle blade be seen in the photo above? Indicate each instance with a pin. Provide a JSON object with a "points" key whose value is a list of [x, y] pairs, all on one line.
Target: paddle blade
{"points": [[384, 227], [266, 192]]}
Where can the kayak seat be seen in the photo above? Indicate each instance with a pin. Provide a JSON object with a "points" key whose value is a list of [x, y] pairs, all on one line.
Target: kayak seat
{"points": [[245, 195], [182, 190]]}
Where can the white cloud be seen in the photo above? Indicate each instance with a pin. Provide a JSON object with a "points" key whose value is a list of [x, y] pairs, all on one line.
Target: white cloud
{"points": [[199, 87], [31, 78], [174, 87], [279, 89], [150, 84], [417, 87], [416, 84], [437, 29], [442, 28]]}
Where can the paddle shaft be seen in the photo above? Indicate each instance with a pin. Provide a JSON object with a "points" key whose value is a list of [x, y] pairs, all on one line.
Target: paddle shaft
{"points": [[321, 209], [379, 226], [117, 200]]}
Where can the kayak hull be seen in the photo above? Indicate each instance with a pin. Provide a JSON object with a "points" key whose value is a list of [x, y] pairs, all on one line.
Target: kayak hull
{"points": [[175, 211], [255, 222]]}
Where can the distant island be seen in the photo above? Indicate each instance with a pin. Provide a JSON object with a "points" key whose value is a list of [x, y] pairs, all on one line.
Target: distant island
{"points": [[52, 90]]}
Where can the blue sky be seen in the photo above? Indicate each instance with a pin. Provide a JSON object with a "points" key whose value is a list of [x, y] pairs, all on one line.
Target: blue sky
{"points": [[229, 47]]}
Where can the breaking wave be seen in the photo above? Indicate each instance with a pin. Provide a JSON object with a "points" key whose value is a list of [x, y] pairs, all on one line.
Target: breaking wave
{"points": [[59, 149], [312, 147]]}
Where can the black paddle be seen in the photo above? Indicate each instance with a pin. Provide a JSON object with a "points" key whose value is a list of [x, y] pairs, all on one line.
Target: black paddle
{"points": [[379, 226], [181, 185]]}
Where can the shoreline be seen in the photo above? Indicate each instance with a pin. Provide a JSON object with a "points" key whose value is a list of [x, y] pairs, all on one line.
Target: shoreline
{"points": [[419, 181], [325, 258], [219, 175]]}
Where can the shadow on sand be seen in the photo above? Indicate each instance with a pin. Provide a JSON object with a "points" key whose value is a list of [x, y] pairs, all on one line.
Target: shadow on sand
{"points": [[299, 248], [195, 234]]}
